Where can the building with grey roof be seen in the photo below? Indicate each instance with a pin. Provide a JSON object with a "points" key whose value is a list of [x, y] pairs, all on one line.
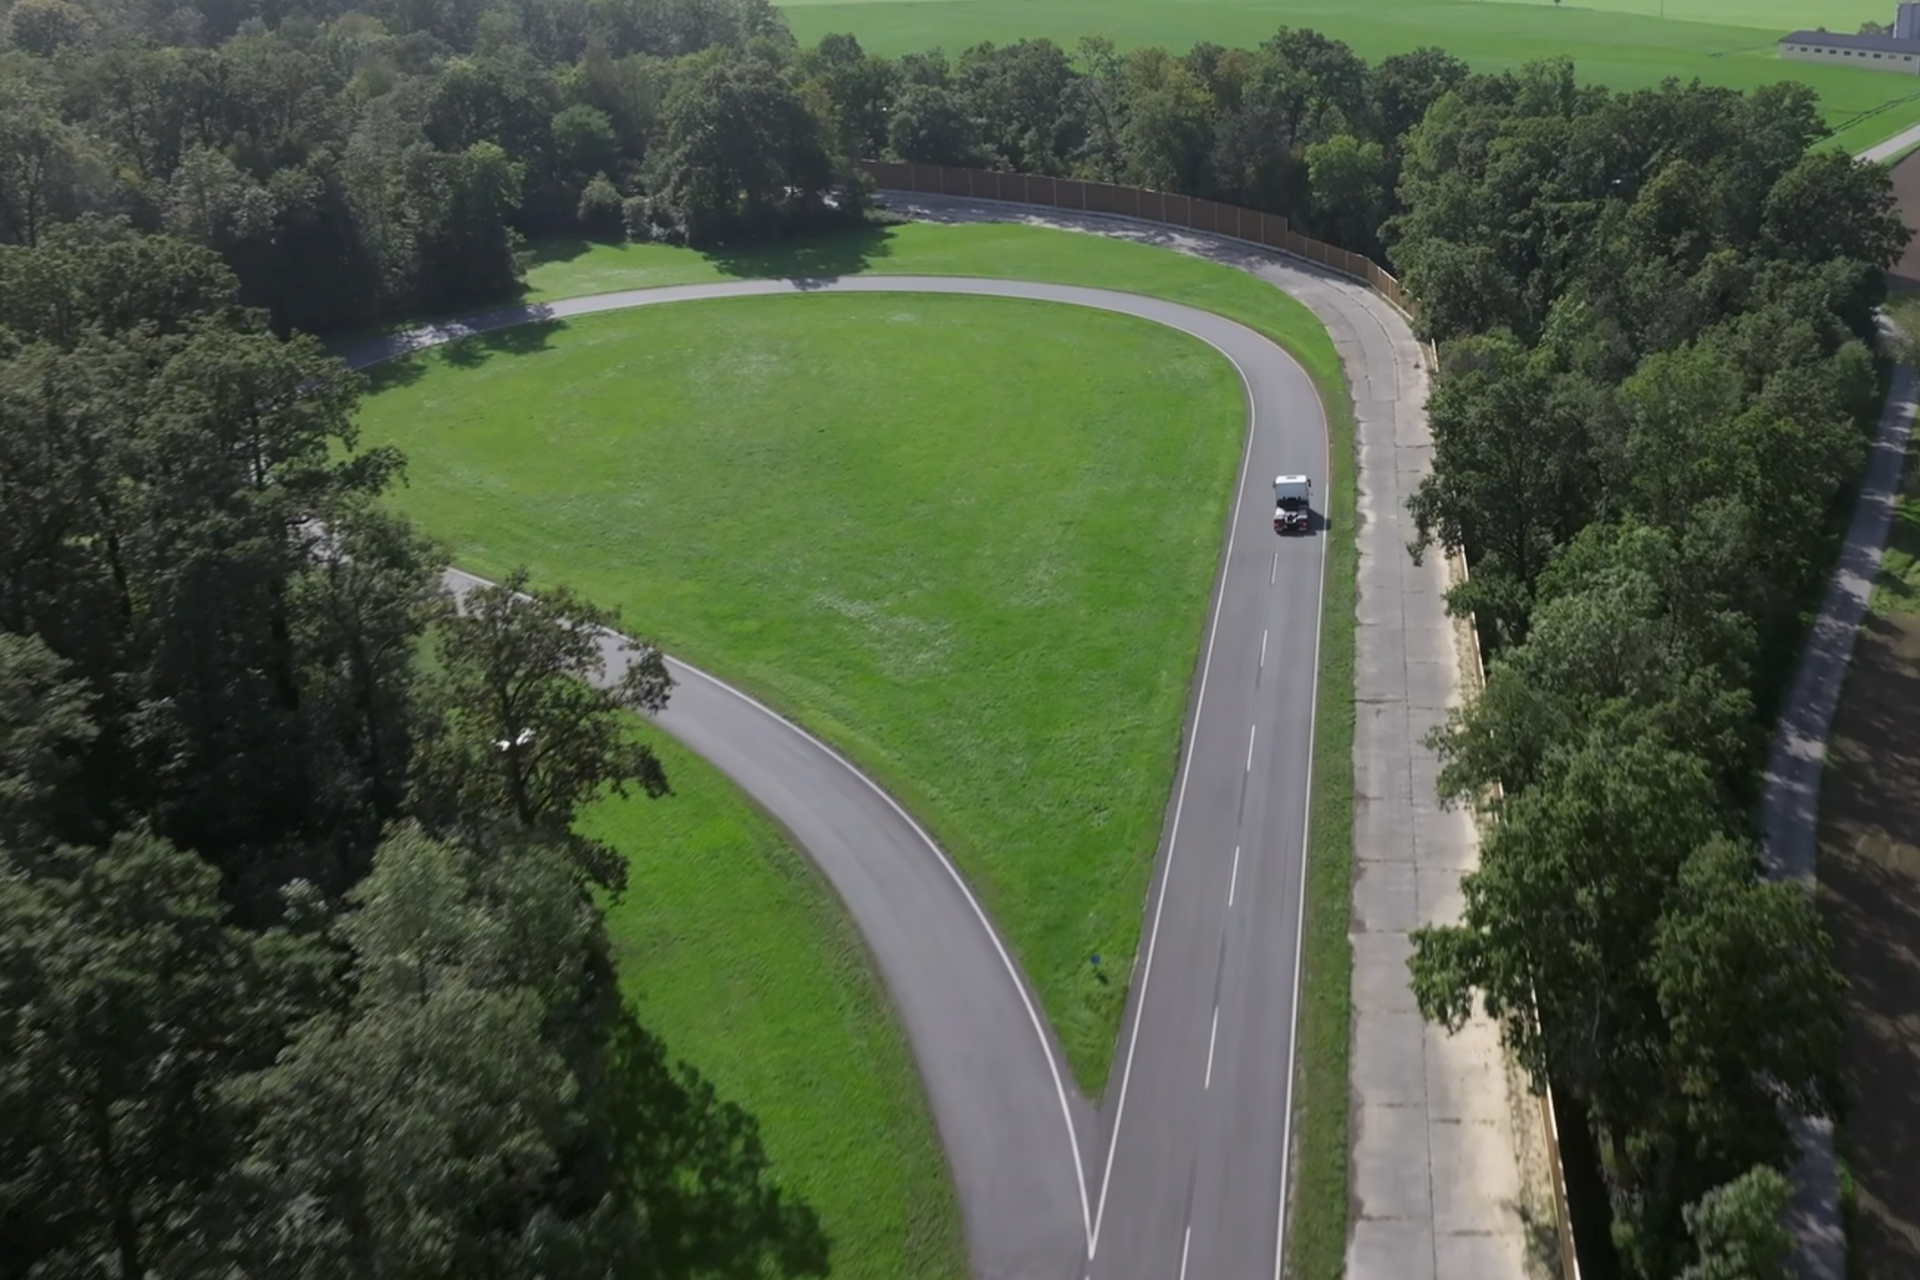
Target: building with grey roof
{"points": [[1897, 52]]}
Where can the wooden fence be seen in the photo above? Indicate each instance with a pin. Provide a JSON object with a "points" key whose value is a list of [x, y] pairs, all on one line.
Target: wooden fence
{"points": [[1251, 225]]}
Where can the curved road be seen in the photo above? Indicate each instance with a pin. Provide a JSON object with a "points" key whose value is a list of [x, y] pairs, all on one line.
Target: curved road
{"points": [[1186, 1172]]}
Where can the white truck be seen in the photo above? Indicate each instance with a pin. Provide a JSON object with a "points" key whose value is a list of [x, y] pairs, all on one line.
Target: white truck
{"points": [[1292, 504]]}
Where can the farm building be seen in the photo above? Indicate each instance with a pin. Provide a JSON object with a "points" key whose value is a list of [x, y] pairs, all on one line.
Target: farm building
{"points": [[1899, 51]]}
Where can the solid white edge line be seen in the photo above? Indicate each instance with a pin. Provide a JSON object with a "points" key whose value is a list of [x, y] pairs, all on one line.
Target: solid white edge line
{"points": [[1212, 1036], [1234, 882], [953, 872], [1186, 772], [1186, 1243], [1306, 830]]}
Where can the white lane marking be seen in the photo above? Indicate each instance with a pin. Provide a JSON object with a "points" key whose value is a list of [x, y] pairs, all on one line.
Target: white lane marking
{"points": [[1186, 772], [1211, 1037], [1252, 730], [1263, 649], [1185, 1244], [1273, 574], [1234, 882], [1306, 829]]}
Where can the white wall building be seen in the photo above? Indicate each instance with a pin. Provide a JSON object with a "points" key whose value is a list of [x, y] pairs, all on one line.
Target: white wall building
{"points": [[1897, 52]]}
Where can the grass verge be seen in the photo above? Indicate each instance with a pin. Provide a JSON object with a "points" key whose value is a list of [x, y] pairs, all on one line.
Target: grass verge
{"points": [[735, 953], [1317, 1225]]}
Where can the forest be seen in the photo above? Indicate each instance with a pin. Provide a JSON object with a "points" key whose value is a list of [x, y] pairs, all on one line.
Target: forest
{"points": [[301, 964]]}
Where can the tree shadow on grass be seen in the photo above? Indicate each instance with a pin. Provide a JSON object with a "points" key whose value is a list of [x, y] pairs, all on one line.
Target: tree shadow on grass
{"points": [[698, 1172], [806, 259], [518, 340], [463, 352], [560, 248]]}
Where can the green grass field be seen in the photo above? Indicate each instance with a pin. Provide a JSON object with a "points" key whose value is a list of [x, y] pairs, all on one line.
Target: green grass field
{"points": [[792, 1112], [1621, 43], [989, 590], [738, 957]]}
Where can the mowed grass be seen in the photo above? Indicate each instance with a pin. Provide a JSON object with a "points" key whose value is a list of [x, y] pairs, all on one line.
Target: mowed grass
{"points": [[1623, 44], [1319, 1202], [735, 954], [970, 541]]}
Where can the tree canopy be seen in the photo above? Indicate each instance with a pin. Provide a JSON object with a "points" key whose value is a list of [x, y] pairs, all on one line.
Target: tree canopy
{"points": [[1658, 351], [301, 973]]}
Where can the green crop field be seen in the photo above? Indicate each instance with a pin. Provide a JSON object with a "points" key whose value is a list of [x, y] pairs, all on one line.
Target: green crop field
{"points": [[1625, 44]]}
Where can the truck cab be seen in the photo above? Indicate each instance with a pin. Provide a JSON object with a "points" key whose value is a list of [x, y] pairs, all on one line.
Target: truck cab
{"points": [[1292, 504]]}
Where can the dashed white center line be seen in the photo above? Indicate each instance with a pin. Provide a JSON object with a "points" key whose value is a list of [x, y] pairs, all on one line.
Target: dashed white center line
{"points": [[1251, 731], [1263, 648], [1211, 1036], [1234, 881], [1185, 1244], [1274, 573]]}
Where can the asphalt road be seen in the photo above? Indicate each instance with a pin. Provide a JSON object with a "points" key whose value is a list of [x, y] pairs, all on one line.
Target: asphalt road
{"points": [[1182, 1172]]}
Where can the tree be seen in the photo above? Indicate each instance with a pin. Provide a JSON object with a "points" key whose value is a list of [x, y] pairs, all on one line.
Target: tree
{"points": [[1755, 1013], [44, 731], [41, 158], [930, 125], [1348, 178], [358, 619], [1564, 909], [1508, 476], [1405, 85], [532, 709], [1019, 93], [44, 27], [739, 156], [584, 140], [1740, 1229], [129, 1001], [1167, 139], [424, 1129], [602, 209]]}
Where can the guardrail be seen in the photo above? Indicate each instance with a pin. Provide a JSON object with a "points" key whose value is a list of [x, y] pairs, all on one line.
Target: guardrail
{"points": [[1269, 230]]}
